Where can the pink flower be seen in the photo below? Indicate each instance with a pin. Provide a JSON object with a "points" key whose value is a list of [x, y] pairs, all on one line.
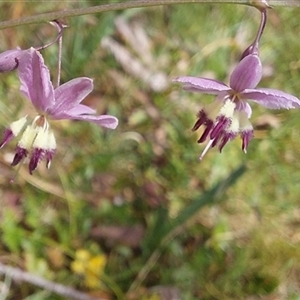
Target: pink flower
{"points": [[228, 116], [61, 103], [9, 60]]}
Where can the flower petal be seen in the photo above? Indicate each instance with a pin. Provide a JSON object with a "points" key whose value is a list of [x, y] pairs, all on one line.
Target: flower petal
{"points": [[247, 74], [35, 80], [201, 84], [270, 98], [244, 106], [70, 94], [9, 59], [81, 109], [78, 110], [102, 120]]}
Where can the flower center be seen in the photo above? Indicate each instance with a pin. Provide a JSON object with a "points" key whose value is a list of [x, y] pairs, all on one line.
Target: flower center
{"points": [[224, 119], [37, 140], [41, 121]]}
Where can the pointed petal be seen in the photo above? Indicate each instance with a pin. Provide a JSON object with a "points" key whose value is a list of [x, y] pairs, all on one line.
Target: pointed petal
{"points": [[36, 156], [246, 130], [102, 120], [12, 131], [247, 74], [49, 156], [70, 94], [7, 137], [270, 98], [200, 84], [20, 154], [35, 80], [79, 109]]}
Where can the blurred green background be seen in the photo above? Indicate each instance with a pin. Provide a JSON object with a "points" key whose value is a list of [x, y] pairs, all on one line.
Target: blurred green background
{"points": [[132, 213]]}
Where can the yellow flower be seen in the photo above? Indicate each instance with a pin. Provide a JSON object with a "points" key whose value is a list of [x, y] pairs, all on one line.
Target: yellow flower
{"points": [[78, 266], [95, 269], [91, 267]]}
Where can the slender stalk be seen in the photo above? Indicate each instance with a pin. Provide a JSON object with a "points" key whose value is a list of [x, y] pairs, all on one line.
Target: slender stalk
{"points": [[261, 26], [60, 27], [58, 37], [59, 61], [47, 17], [253, 48]]}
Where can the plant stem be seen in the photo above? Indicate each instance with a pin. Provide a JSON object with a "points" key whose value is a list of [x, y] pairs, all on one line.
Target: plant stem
{"points": [[47, 17]]}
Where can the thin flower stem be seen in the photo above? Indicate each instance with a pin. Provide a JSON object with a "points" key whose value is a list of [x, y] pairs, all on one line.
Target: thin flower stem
{"points": [[47, 17], [20, 275], [60, 32], [253, 48], [261, 26], [60, 27], [59, 61]]}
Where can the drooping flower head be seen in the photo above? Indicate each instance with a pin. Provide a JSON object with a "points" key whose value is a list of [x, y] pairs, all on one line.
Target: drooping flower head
{"points": [[228, 116], [64, 102]]}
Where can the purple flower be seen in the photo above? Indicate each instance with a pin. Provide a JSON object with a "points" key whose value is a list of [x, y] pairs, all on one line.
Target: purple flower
{"points": [[9, 59], [228, 116], [57, 104]]}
